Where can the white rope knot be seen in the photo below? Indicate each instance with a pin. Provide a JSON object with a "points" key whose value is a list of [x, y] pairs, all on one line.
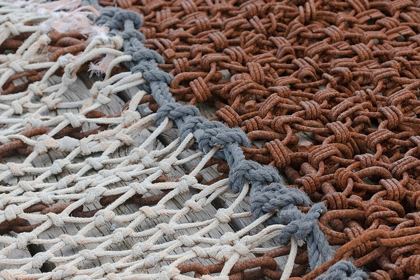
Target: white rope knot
{"points": [[103, 216], [51, 103], [195, 207], [68, 144], [166, 229], [17, 66], [46, 198], [69, 240], [73, 119], [185, 182], [166, 165], [81, 186], [40, 258], [231, 245], [126, 139], [152, 260], [13, 27], [84, 147], [108, 268], [167, 272], [103, 99], [117, 42], [200, 252], [12, 274], [136, 154], [64, 60], [229, 238], [44, 143], [88, 254], [137, 251], [45, 26], [16, 169], [151, 212], [17, 107], [58, 165], [147, 161], [93, 194], [26, 186], [55, 219], [130, 117], [95, 163], [64, 273], [36, 88], [67, 79], [143, 187], [223, 215], [65, 181], [4, 139], [124, 176], [120, 234], [186, 240], [226, 252], [23, 239], [32, 120]]}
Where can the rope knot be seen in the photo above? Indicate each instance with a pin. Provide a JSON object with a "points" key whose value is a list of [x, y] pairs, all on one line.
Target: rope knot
{"points": [[304, 226], [343, 270]]}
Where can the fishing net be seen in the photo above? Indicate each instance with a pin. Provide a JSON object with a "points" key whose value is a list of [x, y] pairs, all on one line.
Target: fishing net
{"points": [[93, 189], [328, 91]]}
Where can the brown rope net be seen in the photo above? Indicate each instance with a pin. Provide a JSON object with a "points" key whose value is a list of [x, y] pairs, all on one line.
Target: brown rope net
{"points": [[344, 74]]}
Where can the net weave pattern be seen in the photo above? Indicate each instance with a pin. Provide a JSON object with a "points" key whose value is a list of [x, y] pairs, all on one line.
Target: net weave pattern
{"points": [[129, 208]]}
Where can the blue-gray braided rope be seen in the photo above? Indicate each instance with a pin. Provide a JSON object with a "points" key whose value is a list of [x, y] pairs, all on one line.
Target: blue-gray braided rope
{"points": [[268, 192]]}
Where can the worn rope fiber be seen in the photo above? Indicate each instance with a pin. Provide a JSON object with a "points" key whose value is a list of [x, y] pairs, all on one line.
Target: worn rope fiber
{"points": [[344, 73], [101, 177]]}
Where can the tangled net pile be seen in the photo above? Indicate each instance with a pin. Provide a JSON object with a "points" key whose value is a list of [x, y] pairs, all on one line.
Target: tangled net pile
{"points": [[345, 73], [88, 191]]}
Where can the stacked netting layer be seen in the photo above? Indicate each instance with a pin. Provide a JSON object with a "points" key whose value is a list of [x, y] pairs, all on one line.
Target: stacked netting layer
{"points": [[343, 73]]}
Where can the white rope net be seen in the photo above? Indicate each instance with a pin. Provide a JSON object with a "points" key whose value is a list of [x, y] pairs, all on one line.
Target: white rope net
{"points": [[116, 203]]}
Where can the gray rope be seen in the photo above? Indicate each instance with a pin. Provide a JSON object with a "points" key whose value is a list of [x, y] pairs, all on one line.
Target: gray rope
{"points": [[343, 270], [268, 192]]}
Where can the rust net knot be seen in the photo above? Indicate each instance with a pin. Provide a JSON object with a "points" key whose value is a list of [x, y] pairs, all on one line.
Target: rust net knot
{"points": [[279, 152], [229, 116], [395, 191], [309, 183], [200, 89], [336, 201], [341, 132]]}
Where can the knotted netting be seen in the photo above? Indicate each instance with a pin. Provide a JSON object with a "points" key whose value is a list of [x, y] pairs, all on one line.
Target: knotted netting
{"points": [[89, 190]]}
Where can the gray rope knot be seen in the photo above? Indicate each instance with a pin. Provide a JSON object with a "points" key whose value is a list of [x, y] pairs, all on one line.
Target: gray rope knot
{"points": [[157, 75], [161, 94], [130, 34], [190, 126], [343, 270], [142, 67], [222, 136], [120, 18], [106, 13], [275, 197], [304, 226], [251, 171], [143, 53], [176, 112]]}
